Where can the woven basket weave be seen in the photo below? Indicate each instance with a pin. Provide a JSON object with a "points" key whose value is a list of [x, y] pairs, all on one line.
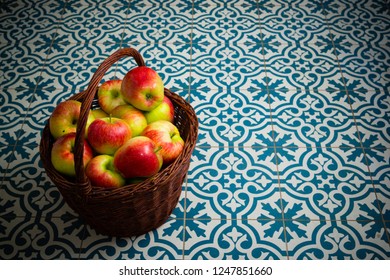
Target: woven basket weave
{"points": [[133, 209]]}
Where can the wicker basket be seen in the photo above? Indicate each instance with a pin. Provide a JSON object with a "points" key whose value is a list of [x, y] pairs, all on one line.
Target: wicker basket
{"points": [[133, 209]]}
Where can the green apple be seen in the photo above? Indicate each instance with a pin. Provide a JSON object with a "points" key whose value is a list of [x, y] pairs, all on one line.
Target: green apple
{"points": [[99, 113], [132, 116], [164, 111]]}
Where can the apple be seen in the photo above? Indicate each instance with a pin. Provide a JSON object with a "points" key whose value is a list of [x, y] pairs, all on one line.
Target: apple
{"points": [[134, 118], [64, 118], [106, 135], [164, 111], [110, 96], [102, 173], [62, 156], [166, 135], [143, 88], [99, 113], [138, 157]]}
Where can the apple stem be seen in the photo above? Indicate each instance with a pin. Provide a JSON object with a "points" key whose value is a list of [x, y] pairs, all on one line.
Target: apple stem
{"points": [[110, 117], [158, 149]]}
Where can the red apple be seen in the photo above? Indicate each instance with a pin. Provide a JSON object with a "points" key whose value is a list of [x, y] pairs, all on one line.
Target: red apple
{"points": [[102, 173], [64, 118], [164, 111], [134, 118], [138, 157], [110, 96], [106, 135], [62, 156], [166, 135], [143, 88]]}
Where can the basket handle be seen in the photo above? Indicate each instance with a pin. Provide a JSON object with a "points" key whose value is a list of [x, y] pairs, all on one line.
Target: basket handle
{"points": [[89, 96]]}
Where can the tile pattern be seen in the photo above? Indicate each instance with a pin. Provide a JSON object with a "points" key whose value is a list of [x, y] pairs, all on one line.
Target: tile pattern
{"points": [[293, 154]]}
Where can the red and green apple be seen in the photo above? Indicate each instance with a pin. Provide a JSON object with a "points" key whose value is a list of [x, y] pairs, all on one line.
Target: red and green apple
{"points": [[166, 135], [64, 118], [164, 111], [110, 96], [132, 116], [62, 154], [138, 157], [102, 173], [106, 135], [143, 88]]}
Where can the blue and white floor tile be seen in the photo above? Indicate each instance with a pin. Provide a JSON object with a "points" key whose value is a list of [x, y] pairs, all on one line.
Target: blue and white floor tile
{"points": [[293, 100]]}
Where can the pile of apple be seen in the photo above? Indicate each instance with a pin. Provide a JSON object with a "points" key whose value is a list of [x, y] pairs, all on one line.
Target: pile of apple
{"points": [[129, 138]]}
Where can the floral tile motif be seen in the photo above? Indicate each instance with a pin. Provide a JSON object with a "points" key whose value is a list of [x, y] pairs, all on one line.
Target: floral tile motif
{"points": [[380, 172], [92, 23], [384, 205], [227, 183], [164, 243], [234, 240], [227, 66], [24, 21], [371, 111], [265, 3], [306, 118], [38, 238], [301, 65], [368, 64], [152, 24], [116, 3], [361, 21], [329, 184], [226, 25], [13, 106], [293, 23], [141, 3], [6, 153], [24, 167], [22, 65], [340, 240], [71, 66], [226, 3], [232, 117]]}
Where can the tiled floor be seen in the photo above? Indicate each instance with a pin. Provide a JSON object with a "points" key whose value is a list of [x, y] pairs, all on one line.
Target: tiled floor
{"points": [[293, 99]]}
